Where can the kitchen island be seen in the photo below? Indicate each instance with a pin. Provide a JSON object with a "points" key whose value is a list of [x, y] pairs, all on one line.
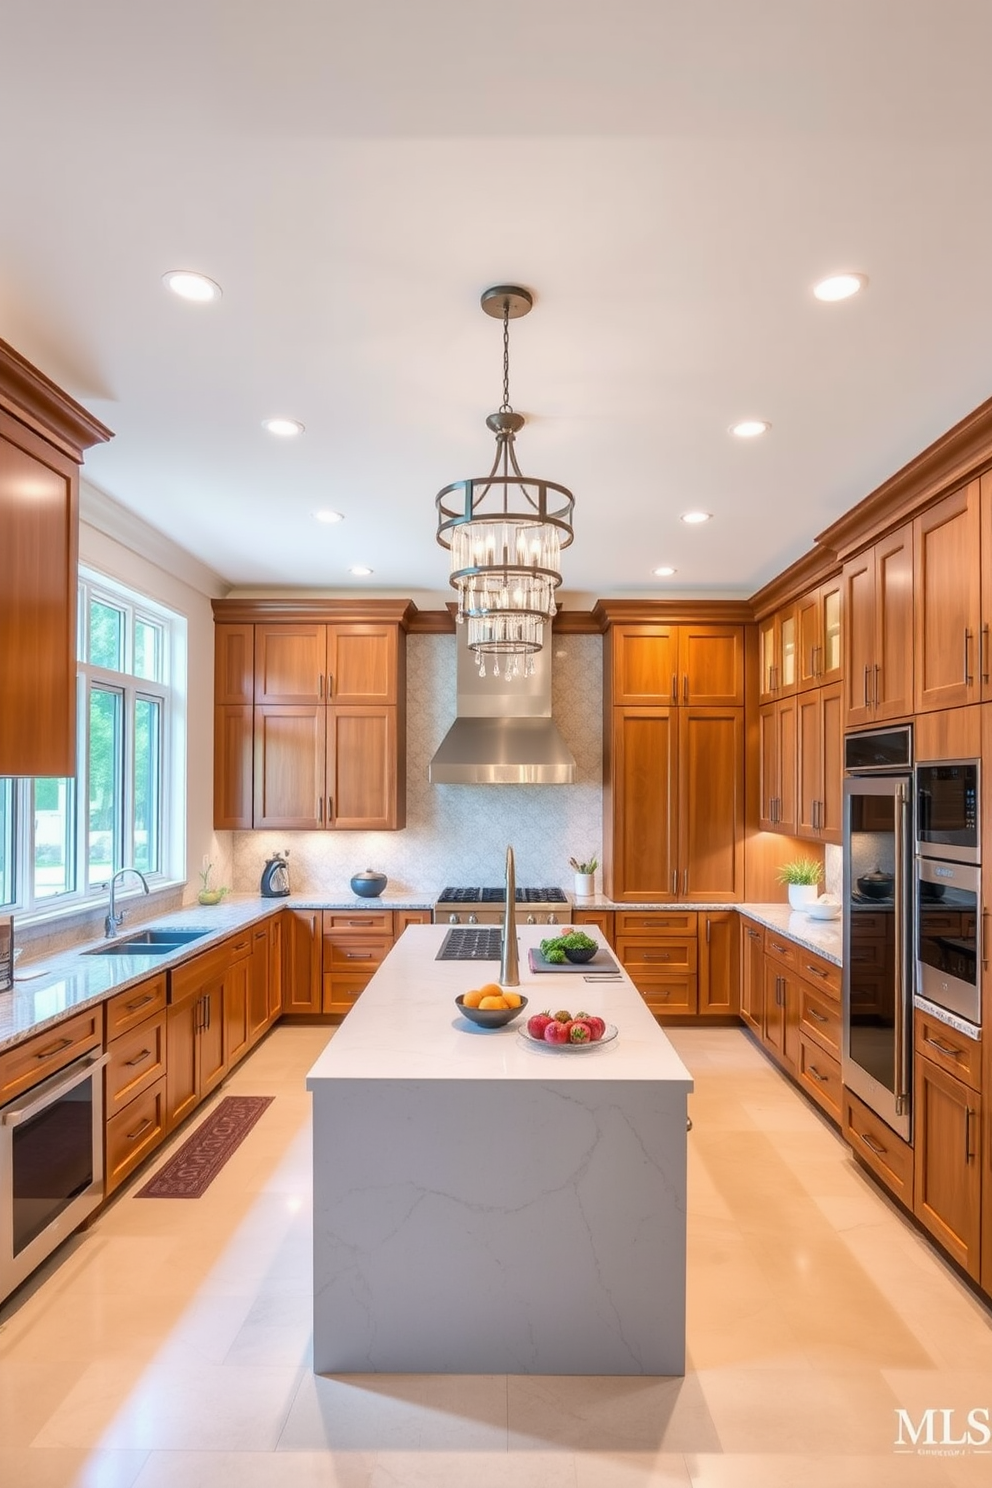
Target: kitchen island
{"points": [[484, 1206]]}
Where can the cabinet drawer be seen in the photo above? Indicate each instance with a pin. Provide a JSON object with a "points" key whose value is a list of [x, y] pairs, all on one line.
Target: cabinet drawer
{"points": [[341, 992], [633, 922], [191, 977], [353, 953], [137, 1060], [656, 955], [240, 945], [952, 1051], [821, 974], [362, 921], [669, 994], [602, 919], [819, 1018], [786, 952], [129, 1008], [404, 917], [888, 1156], [819, 1074], [48, 1052], [867, 926], [133, 1133]]}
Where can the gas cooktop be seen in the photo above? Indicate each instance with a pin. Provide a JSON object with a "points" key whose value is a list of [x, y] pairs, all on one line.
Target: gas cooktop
{"points": [[498, 896]]}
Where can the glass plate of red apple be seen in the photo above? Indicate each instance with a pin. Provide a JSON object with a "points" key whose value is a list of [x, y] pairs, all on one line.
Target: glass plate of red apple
{"points": [[564, 1034]]}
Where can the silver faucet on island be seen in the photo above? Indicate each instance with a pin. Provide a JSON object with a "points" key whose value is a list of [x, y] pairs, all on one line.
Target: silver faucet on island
{"points": [[509, 972], [114, 919]]}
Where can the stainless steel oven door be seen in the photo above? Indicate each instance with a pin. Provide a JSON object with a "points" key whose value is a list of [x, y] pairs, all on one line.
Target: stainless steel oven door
{"points": [[949, 936], [51, 1165], [947, 810]]}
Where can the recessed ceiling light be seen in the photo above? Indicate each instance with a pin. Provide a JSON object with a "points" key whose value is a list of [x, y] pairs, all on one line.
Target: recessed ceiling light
{"points": [[284, 428], [840, 286], [750, 428], [693, 517], [663, 573], [359, 570], [328, 516], [191, 286]]}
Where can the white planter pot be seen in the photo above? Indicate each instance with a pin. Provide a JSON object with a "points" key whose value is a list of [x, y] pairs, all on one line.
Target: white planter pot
{"points": [[585, 885], [801, 896]]}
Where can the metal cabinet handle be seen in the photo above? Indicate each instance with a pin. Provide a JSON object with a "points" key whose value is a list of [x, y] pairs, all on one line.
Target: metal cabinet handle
{"points": [[776, 947], [754, 934], [877, 670], [132, 1007], [968, 1153], [685, 688], [944, 1049], [811, 1069], [867, 700], [983, 653], [330, 684], [143, 1127], [657, 956], [54, 1049], [685, 884], [875, 1147], [138, 1058], [985, 939], [967, 673], [320, 810], [207, 1001], [330, 810], [818, 1016], [818, 971], [675, 689], [320, 685], [707, 930], [358, 955], [675, 883]]}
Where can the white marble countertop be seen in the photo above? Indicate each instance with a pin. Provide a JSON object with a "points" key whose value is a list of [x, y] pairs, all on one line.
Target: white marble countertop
{"points": [[406, 1026]]}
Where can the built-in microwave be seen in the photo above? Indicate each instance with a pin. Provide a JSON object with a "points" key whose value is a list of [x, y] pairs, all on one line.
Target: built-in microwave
{"points": [[949, 936], [947, 810]]}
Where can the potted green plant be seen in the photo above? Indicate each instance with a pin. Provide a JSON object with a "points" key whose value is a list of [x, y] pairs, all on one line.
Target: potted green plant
{"points": [[206, 894], [585, 875], [803, 877]]}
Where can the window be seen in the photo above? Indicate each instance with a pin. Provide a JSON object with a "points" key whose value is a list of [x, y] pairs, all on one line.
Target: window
{"points": [[60, 840]]}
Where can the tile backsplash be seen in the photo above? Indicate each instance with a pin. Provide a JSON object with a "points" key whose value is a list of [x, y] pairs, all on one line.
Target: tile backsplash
{"points": [[458, 834]]}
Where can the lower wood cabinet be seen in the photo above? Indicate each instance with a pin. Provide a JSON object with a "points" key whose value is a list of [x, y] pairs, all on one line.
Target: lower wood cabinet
{"points": [[355, 944], [237, 980], [948, 1162], [719, 964], [134, 1133], [878, 1147], [752, 963], [659, 953], [195, 1032], [301, 989], [134, 1078]]}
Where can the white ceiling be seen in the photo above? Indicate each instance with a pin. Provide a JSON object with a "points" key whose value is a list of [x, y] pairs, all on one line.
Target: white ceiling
{"points": [[668, 178]]}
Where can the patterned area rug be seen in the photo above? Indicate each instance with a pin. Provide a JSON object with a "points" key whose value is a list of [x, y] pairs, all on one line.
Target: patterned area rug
{"points": [[191, 1170]]}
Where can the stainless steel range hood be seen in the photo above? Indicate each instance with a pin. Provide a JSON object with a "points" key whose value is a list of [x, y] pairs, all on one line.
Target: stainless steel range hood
{"points": [[504, 733]]}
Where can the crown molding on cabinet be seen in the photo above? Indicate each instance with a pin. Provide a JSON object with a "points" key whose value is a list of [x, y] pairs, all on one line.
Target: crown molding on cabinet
{"points": [[609, 612], [799, 578], [355, 611], [28, 395]]}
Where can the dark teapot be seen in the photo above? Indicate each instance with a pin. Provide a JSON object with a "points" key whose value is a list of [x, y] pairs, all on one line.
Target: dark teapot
{"points": [[877, 885]]}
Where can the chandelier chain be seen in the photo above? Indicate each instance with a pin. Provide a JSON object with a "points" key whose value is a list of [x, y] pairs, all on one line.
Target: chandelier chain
{"points": [[505, 406]]}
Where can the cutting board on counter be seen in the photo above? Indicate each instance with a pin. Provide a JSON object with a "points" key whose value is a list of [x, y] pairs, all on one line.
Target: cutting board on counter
{"points": [[602, 961]]}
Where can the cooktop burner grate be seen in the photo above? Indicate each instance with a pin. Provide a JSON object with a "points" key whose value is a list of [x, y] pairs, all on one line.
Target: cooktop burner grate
{"points": [[471, 943], [498, 896]]}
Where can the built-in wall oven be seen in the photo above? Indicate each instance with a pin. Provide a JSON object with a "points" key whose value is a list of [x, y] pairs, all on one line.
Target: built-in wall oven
{"points": [[948, 887], [878, 918], [51, 1165]]}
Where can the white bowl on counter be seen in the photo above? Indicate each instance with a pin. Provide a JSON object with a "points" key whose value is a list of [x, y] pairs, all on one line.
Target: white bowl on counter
{"points": [[824, 909]]}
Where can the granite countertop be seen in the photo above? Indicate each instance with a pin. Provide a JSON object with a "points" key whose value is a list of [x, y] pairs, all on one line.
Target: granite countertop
{"points": [[825, 937]]}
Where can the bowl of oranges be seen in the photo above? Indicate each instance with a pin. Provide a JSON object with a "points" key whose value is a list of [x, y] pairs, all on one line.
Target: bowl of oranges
{"points": [[491, 1006]]}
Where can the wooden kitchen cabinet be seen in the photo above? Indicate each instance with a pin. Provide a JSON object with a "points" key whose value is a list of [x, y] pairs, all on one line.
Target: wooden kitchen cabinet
{"points": [[233, 764], [354, 947], [947, 601], [659, 953], [778, 652], [877, 1146], [948, 1162], [777, 745], [820, 657], [236, 990], [820, 763], [301, 986], [196, 1061], [682, 665], [259, 969], [752, 964], [328, 768], [336, 663], [43, 434], [134, 1078], [601, 919], [781, 1002], [878, 623], [719, 966], [276, 962]]}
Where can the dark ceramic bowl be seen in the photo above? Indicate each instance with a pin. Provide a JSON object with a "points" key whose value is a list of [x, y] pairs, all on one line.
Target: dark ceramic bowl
{"points": [[490, 1017], [368, 885], [877, 885], [578, 957]]}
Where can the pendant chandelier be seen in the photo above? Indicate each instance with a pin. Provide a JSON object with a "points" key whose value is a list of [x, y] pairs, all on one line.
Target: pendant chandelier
{"points": [[505, 532]]}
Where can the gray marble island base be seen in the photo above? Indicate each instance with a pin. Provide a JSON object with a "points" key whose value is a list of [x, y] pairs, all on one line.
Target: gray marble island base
{"points": [[481, 1206]]}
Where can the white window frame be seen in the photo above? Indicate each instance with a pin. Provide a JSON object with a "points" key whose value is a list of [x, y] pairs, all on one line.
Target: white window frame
{"points": [[170, 694]]}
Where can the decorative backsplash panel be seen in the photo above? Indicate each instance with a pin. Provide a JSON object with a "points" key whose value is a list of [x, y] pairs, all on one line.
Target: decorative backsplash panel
{"points": [[458, 834]]}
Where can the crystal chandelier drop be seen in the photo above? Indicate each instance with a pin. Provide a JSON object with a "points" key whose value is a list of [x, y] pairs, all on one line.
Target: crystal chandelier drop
{"points": [[505, 532]]}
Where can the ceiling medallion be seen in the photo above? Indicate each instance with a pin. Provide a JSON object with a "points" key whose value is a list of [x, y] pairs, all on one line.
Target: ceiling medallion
{"points": [[505, 532]]}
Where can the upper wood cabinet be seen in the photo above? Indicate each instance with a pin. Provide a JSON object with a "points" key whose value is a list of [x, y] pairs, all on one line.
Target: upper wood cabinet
{"points": [[43, 434], [346, 663], [820, 657], [951, 646], [820, 763], [878, 631], [678, 665], [778, 642], [777, 745], [310, 723]]}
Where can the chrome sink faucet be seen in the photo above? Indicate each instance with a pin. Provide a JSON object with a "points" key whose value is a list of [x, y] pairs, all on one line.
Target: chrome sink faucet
{"points": [[114, 919]]}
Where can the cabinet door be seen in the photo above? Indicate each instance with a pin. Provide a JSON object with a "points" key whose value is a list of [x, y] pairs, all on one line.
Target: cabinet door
{"points": [[773, 1008], [38, 546], [719, 979], [258, 983], [290, 663], [787, 649], [830, 662], [602, 919], [233, 763], [274, 983], [809, 629], [236, 1009], [711, 804], [831, 813], [289, 766], [809, 761], [752, 964], [211, 1053], [767, 659], [786, 814], [771, 768], [301, 961], [182, 1021], [711, 666], [947, 600], [362, 663], [645, 759], [892, 682], [364, 790], [858, 580], [985, 637], [948, 1162], [234, 664], [645, 664]]}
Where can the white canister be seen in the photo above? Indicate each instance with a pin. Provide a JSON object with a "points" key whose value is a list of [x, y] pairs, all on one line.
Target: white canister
{"points": [[801, 896], [585, 885]]}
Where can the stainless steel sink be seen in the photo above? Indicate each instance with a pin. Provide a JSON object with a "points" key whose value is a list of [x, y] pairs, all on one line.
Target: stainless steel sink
{"points": [[148, 943]]}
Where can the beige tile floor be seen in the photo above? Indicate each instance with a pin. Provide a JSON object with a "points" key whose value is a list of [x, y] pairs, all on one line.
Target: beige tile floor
{"points": [[170, 1343]]}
